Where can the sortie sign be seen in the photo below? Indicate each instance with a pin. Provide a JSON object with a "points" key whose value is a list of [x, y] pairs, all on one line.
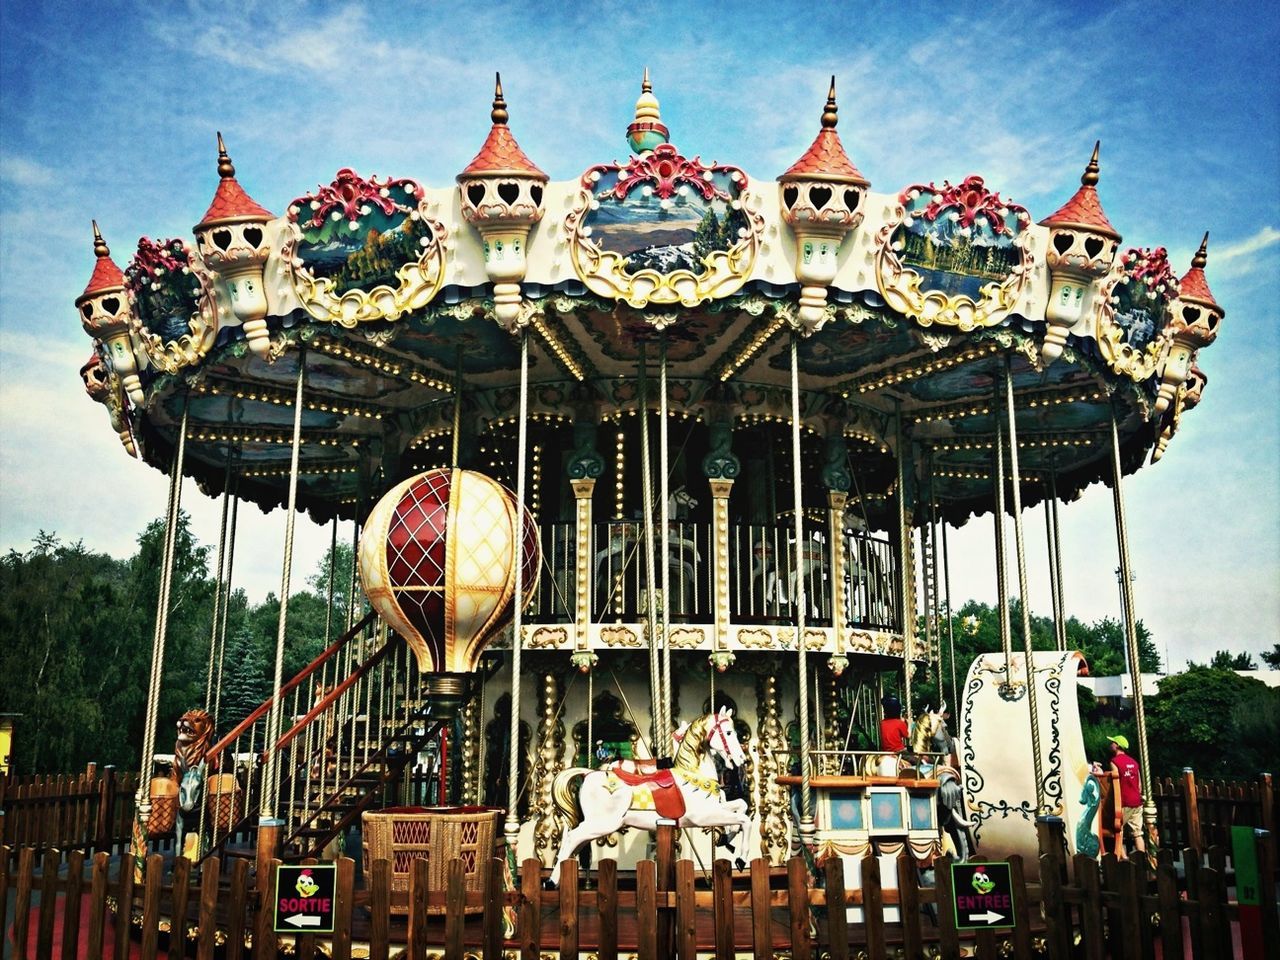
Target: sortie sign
{"points": [[983, 894], [304, 898]]}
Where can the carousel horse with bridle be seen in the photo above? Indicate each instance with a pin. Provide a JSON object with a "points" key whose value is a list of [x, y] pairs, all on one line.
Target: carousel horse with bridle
{"points": [[688, 793], [930, 736]]}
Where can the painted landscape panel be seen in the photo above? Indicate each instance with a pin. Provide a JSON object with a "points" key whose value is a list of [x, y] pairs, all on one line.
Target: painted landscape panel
{"points": [[664, 234]]}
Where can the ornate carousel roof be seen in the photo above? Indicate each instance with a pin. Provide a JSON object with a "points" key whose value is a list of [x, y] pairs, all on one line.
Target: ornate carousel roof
{"points": [[395, 295]]}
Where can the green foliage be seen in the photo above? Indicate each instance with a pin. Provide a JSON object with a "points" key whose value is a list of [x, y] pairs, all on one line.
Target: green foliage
{"points": [[1226, 660], [1272, 657], [1215, 721], [76, 632]]}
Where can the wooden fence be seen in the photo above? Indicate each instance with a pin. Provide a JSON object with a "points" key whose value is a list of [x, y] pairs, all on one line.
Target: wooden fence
{"points": [[668, 909], [87, 811], [1200, 814]]}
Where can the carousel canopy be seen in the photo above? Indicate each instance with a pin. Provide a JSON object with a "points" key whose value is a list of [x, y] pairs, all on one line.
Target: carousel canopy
{"points": [[908, 300]]}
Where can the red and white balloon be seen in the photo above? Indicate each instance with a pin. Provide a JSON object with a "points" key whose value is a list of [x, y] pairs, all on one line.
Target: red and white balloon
{"points": [[437, 562]]}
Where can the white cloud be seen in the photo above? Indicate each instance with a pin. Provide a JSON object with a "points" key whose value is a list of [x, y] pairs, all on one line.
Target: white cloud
{"points": [[1244, 249], [22, 172]]}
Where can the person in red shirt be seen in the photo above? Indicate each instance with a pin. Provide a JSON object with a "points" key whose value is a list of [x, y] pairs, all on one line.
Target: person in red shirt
{"points": [[1126, 769], [894, 733]]}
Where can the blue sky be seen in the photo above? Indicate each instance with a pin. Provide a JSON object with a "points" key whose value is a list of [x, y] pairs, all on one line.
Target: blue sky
{"points": [[109, 111]]}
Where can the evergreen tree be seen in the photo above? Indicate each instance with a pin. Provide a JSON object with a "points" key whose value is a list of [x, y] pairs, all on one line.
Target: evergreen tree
{"points": [[246, 677]]}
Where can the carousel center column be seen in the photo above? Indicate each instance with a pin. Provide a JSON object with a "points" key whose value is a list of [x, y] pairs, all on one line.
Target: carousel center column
{"points": [[585, 467]]}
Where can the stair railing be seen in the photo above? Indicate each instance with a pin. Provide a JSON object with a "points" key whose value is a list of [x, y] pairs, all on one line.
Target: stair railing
{"points": [[241, 751]]}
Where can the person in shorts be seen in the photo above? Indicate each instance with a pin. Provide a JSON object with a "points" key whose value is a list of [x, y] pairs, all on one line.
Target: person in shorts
{"points": [[1127, 771]]}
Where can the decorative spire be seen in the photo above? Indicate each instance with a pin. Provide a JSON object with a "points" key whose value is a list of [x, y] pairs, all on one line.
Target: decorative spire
{"points": [[1084, 210], [100, 248], [647, 130], [106, 275], [499, 114], [831, 115], [1090, 176], [230, 202], [1201, 259], [826, 159], [500, 153], [1194, 286], [226, 169]]}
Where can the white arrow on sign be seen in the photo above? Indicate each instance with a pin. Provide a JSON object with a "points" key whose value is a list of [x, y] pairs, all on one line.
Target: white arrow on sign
{"points": [[989, 917], [300, 921]]}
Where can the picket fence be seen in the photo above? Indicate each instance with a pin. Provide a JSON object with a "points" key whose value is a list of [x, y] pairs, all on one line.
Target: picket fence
{"points": [[1080, 908]]}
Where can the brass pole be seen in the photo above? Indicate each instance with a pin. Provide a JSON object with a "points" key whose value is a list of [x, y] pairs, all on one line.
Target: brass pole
{"points": [[333, 567], [802, 657], [1061, 617], [271, 772], [143, 797], [656, 718], [1131, 638], [951, 632], [1020, 547], [1002, 584], [906, 570], [511, 829], [457, 410], [663, 745], [217, 583]]}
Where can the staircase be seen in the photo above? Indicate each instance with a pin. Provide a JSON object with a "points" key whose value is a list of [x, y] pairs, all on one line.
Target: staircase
{"points": [[352, 721]]}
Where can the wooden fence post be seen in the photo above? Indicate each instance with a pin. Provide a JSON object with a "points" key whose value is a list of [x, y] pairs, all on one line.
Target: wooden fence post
{"points": [[948, 937], [124, 912], [455, 912], [342, 908], [1192, 808], [106, 810], [798, 902], [1090, 907], [493, 907], [178, 913], [761, 928], [1057, 920], [646, 911], [838, 912], [722, 905], [380, 907], [1267, 797], [607, 899], [666, 852], [207, 920], [1170, 918], [98, 904], [154, 877], [530, 932], [686, 912], [418, 910], [568, 909]]}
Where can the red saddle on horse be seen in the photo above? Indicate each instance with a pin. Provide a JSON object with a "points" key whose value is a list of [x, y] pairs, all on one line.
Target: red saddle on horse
{"points": [[668, 801]]}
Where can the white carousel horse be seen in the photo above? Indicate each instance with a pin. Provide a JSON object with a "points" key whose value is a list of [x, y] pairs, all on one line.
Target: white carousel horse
{"points": [[610, 799]]}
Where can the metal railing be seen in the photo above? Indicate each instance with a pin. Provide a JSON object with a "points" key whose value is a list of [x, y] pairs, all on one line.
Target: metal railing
{"points": [[619, 572], [871, 583], [763, 578], [556, 591]]}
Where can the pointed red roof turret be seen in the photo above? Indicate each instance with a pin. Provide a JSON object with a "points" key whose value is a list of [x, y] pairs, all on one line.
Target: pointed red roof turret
{"points": [[1193, 286], [1084, 210], [106, 274], [500, 153], [230, 202], [825, 159]]}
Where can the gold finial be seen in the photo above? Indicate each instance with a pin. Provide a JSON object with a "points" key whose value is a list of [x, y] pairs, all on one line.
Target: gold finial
{"points": [[831, 115], [1090, 177], [100, 248], [645, 85], [1201, 258], [647, 109], [226, 169], [499, 114]]}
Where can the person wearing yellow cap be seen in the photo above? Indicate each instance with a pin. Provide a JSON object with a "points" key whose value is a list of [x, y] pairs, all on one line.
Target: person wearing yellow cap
{"points": [[1126, 769]]}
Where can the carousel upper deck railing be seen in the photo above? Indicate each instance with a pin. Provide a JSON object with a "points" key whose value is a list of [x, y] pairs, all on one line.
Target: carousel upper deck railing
{"points": [[619, 579]]}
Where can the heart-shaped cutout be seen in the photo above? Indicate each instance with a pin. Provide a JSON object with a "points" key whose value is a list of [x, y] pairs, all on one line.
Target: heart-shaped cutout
{"points": [[475, 193], [1191, 314], [819, 196], [221, 239], [789, 196], [535, 191], [509, 192], [87, 310], [1093, 246], [111, 305], [253, 236], [1062, 242], [851, 198]]}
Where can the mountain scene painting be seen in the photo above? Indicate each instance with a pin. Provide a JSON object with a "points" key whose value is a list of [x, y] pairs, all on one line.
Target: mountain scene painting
{"points": [[952, 263], [364, 253], [665, 235]]}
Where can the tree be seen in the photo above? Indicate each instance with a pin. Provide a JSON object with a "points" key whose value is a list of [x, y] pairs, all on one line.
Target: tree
{"points": [[246, 678], [1272, 658], [1225, 660], [1214, 721]]}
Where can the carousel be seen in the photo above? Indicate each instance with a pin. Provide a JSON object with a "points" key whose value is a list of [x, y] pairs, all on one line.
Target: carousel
{"points": [[649, 474]]}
